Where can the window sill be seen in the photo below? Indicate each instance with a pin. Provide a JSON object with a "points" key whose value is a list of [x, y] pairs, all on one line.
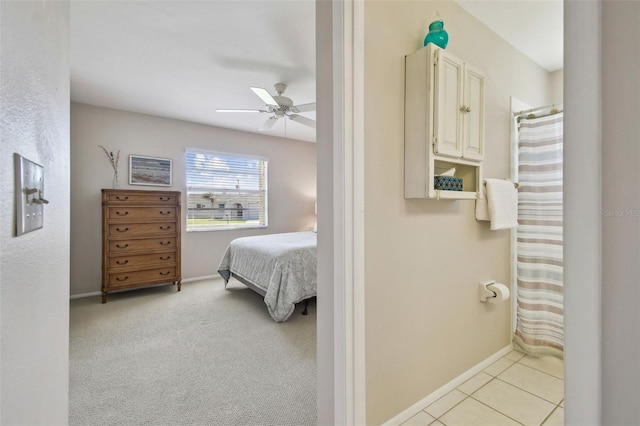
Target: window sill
{"points": [[230, 228]]}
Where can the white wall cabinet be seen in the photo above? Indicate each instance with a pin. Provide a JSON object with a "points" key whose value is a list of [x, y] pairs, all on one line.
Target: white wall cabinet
{"points": [[444, 123], [458, 107]]}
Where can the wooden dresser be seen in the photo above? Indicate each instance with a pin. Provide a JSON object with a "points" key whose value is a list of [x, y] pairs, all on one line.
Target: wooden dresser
{"points": [[140, 239]]}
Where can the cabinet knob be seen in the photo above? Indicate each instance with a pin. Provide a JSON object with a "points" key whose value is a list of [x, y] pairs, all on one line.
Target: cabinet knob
{"points": [[465, 108], [468, 109], [122, 279]]}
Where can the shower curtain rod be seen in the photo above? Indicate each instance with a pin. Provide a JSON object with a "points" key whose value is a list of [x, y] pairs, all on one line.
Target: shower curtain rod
{"points": [[529, 111]]}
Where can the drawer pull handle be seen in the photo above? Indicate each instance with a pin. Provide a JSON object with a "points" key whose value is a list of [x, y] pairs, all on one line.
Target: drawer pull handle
{"points": [[122, 214], [165, 243], [164, 273], [165, 198], [165, 228], [124, 246], [122, 230], [122, 279], [165, 213], [122, 198], [165, 258], [122, 263]]}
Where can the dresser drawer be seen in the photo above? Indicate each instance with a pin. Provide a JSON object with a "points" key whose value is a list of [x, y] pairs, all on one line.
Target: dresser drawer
{"points": [[126, 230], [142, 213], [124, 198], [146, 245], [128, 278], [143, 260]]}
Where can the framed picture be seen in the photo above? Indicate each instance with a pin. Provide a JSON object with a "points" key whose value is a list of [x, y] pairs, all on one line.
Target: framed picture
{"points": [[150, 171]]}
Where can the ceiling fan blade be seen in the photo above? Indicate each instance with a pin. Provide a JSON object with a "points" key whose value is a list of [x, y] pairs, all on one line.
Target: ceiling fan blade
{"points": [[303, 120], [268, 124], [264, 95], [304, 107], [241, 110]]}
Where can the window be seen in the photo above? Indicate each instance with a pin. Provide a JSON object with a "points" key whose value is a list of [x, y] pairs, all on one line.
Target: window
{"points": [[225, 191]]}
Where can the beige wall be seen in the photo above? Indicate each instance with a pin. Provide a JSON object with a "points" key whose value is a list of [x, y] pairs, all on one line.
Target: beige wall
{"points": [[34, 269], [557, 85], [424, 258], [292, 182]]}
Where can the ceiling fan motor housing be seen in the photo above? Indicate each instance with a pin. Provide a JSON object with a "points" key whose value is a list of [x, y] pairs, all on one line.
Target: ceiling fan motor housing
{"points": [[283, 101]]}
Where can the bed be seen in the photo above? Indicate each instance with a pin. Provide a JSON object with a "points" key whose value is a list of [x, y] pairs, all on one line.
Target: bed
{"points": [[280, 267]]}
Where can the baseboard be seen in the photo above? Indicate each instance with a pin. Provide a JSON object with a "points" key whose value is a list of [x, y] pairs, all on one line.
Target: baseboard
{"points": [[205, 277], [440, 392], [80, 295], [186, 280]]}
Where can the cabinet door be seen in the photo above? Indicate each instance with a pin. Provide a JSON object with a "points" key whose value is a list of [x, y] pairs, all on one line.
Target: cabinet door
{"points": [[473, 114], [447, 103]]}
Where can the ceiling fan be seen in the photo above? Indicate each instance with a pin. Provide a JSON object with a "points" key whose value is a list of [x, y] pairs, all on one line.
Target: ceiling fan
{"points": [[280, 107]]}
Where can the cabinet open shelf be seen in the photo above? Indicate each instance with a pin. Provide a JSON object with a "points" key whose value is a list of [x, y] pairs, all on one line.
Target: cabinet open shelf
{"points": [[455, 195], [468, 171]]}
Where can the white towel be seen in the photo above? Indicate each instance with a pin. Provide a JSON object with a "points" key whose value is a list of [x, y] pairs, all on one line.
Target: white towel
{"points": [[502, 198], [482, 207]]}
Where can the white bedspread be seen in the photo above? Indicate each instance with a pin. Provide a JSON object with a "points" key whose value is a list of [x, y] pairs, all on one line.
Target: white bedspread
{"points": [[283, 266]]}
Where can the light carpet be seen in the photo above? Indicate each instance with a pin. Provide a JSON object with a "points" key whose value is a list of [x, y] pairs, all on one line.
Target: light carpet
{"points": [[202, 356]]}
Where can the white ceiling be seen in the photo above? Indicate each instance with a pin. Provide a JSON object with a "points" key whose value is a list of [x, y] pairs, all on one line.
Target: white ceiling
{"points": [[535, 27], [185, 59]]}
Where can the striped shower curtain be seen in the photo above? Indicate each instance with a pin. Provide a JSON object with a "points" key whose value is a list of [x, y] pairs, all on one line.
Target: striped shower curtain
{"points": [[539, 319]]}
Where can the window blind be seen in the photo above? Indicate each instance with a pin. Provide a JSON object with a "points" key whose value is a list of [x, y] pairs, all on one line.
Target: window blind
{"points": [[225, 191]]}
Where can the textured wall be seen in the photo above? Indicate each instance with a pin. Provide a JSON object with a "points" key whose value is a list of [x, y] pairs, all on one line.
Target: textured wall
{"points": [[34, 272], [424, 258], [292, 182]]}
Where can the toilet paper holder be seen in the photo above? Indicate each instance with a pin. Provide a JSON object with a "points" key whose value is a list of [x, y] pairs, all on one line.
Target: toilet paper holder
{"points": [[485, 292]]}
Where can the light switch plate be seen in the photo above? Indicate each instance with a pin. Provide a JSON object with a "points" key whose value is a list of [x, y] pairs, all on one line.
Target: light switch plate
{"points": [[29, 195]]}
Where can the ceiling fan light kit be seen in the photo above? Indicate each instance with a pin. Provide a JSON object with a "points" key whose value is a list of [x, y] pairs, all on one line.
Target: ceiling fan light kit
{"points": [[280, 106]]}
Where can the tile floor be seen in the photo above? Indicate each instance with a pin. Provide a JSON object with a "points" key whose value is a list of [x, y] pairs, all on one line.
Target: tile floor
{"points": [[517, 389]]}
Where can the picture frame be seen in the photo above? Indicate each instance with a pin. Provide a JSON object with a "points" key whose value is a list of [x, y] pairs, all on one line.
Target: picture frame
{"points": [[152, 171]]}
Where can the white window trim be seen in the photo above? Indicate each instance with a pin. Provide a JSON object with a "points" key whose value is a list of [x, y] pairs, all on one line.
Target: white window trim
{"points": [[230, 154]]}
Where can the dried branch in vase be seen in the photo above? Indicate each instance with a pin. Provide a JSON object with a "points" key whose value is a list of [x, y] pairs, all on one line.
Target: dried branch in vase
{"points": [[113, 160]]}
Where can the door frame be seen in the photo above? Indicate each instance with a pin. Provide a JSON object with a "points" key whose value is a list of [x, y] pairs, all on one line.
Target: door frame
{"points": [[340, 165]]}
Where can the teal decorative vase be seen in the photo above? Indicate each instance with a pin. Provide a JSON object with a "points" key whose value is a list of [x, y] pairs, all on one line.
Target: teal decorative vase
{"points": [[437, 34]]}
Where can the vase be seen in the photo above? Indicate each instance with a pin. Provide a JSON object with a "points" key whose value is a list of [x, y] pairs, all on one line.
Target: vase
{"points": [[114, 183], [437, 34]]}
